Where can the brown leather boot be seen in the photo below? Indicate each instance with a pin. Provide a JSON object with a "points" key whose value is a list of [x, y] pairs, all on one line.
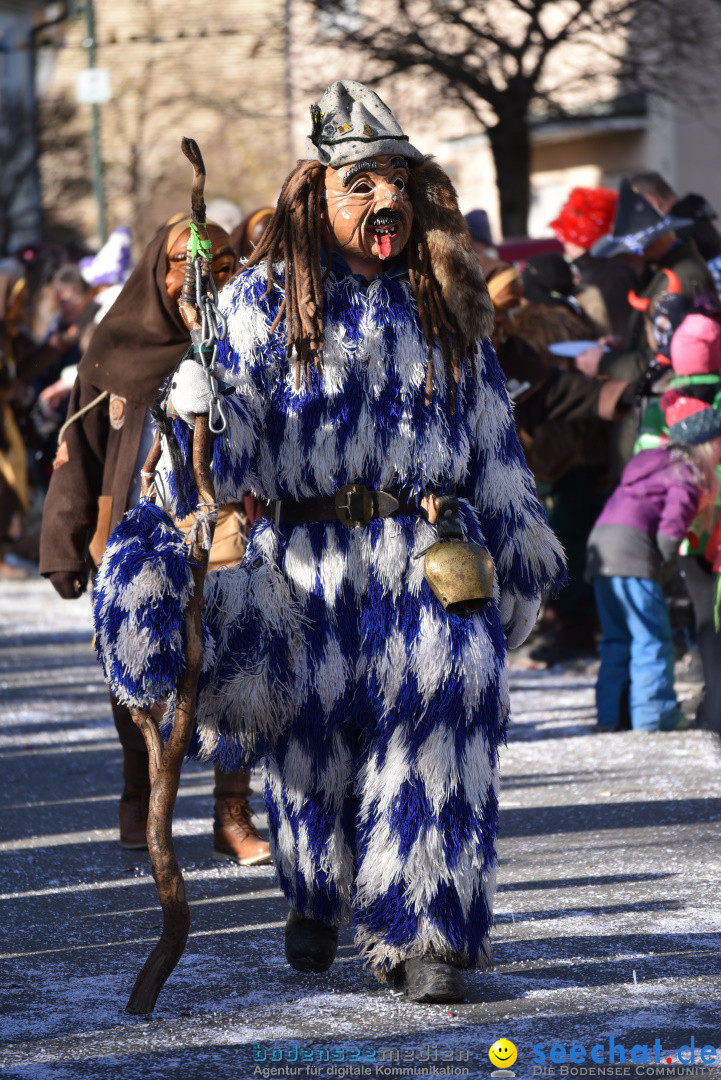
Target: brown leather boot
{"points": [[134, 819], [235, 837]]}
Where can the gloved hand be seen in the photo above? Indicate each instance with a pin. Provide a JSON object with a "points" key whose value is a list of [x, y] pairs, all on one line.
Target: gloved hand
{"points": [[189, 391], [70, 584], [644, 385], [518, 616]]}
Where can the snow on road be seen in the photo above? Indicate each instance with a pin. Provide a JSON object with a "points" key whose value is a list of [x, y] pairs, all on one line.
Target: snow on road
{"points": [[608, 904]]}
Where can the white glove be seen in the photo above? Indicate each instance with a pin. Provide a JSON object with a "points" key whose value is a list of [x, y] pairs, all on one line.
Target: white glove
{"points": [[189, 391], [518, 616]]}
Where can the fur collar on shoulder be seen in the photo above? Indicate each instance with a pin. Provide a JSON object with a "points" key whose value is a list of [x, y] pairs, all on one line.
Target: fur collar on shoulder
{"points": [[453, 261]]}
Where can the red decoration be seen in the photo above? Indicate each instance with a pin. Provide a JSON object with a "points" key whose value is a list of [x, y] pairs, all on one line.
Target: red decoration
{"points": [[586, 216]]}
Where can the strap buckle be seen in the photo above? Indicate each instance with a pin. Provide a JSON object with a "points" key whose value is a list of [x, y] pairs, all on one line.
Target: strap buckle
{"points": [[354, 505]]}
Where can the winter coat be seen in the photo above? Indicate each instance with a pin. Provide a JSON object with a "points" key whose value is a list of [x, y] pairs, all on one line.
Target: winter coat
{"points": [[91, 480], [696, 279], [653, 430], [542, 325], [613, 278], [646, 517]]}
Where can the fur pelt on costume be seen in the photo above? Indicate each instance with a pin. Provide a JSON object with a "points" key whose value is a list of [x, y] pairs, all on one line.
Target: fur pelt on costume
{"points": [[453, 260]]}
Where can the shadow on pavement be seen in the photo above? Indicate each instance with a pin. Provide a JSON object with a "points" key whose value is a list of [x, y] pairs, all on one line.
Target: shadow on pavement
{"points": [[591, 817], [578, 882]]}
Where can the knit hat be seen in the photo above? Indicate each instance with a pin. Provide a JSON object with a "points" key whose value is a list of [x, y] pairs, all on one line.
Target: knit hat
{"points": [[586, 216], [636, 225], [479, 227], [689, 420], [696, 346], [350, 122]]}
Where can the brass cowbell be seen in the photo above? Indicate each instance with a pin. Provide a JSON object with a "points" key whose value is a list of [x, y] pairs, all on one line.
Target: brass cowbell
{"points": [[460, 573]]}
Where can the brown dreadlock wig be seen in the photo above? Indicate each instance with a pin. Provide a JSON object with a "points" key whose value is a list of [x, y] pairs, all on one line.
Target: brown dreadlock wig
{"points": [[454, 307]]}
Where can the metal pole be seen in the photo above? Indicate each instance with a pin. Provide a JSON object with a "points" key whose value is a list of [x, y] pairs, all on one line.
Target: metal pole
{"points": [[96, 160]]}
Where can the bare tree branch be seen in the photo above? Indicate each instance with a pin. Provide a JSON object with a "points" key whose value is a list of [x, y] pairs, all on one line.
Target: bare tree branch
{"points": [[499, 61]]}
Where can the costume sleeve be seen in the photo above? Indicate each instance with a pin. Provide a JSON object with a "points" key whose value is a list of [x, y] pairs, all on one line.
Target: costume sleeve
{"points": [[527, 554], [246, 358], [71, 504], [624, 364]]}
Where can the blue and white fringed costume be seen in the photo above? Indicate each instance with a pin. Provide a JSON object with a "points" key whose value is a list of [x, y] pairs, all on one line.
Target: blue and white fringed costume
{"points": [[380, 780]]}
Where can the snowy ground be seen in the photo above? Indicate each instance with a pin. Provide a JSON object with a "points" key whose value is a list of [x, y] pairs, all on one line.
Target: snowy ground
{"points": [[608, 906]]}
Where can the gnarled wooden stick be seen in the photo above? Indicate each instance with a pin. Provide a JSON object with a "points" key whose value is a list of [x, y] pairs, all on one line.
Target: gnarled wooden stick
{"points": [[166, 759], [188, 299]]}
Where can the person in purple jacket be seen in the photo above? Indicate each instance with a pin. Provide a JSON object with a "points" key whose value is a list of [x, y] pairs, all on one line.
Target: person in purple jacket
{"points": [[630, 546]]}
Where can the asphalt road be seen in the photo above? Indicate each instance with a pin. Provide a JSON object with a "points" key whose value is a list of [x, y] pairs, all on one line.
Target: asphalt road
{"points": [[608, 913]]}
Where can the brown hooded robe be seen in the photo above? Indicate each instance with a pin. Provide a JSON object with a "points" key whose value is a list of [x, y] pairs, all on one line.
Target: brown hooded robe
{"points": [[133, 350]]}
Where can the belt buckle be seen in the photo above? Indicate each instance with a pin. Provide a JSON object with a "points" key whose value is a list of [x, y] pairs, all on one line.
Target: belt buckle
{"points": [[344, 510]]}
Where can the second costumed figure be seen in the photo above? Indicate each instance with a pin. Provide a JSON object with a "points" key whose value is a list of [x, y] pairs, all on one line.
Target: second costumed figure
{"points": [[368, 401]]}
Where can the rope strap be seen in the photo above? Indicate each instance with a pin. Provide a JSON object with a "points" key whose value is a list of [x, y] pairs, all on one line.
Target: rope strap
{"points": [[200, 531], [81, 412]]}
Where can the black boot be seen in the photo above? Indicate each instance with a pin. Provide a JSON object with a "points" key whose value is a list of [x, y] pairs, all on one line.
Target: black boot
{"points": [[428, 979], [310, 945]]}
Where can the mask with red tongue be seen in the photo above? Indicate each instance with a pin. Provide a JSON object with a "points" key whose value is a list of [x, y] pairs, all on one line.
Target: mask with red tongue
{"points": [[384, 227], [368, 213], [383, 243]]}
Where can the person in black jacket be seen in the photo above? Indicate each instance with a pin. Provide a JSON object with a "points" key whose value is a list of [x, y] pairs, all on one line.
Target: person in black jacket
{"points": [[695, 207]]}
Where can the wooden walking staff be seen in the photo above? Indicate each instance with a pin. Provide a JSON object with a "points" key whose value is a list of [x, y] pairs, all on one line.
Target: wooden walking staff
{"points": [[166, 758]]}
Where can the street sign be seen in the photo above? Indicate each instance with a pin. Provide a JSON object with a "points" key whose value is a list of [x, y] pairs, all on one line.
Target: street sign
{"points": [[92, 86]]}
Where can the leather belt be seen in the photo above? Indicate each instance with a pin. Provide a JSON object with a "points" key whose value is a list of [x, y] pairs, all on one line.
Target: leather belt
{"points": [[353, 505]]}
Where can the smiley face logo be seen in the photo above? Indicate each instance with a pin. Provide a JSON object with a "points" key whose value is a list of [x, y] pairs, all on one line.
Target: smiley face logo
{"points": [[503, 1053]]}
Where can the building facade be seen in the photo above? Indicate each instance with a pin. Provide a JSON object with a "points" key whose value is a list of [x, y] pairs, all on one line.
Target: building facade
{"points": [[607, 132], [216, 73], [239, 78]]}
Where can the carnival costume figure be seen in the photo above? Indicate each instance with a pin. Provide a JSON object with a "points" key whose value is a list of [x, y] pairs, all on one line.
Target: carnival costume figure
{"points": [[367, 400]]}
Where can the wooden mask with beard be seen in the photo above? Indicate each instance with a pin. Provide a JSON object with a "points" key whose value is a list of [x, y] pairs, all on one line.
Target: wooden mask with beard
{"points": [[368, 211]]}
